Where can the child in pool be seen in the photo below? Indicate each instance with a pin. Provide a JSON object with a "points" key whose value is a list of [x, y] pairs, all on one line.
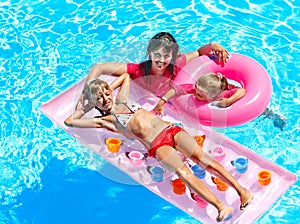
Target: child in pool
{"points": [[215, 87], [162, 139], [209, 87]]}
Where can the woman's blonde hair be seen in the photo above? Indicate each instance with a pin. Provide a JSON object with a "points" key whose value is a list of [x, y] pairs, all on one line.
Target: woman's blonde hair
{"points": [[212, 84]]}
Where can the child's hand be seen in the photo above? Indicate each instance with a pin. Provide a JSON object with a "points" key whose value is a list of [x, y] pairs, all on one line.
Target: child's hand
{"points": [[85, 105], [222, 103], [80, 102]]}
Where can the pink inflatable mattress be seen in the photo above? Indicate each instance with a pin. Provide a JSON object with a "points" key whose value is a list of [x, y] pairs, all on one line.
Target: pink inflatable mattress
{"points": [[142, 171]]}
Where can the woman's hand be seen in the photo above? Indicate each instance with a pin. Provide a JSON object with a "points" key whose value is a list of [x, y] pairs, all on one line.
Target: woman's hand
{"points": [[159, 108], [220, 51], [215, 50]]}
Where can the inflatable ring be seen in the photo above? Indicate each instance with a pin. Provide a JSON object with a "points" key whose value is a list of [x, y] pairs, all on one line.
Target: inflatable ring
{"points": [[239, 68]]}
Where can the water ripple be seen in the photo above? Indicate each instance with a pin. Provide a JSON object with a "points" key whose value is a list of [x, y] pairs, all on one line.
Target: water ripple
{"points": [[47, 46]]}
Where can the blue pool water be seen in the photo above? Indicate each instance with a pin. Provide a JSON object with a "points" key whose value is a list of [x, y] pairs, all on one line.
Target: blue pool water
{"points": [[47, 46]]}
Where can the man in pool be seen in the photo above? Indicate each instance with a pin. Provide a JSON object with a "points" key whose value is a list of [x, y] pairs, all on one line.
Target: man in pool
{"points": [[162, 139]]}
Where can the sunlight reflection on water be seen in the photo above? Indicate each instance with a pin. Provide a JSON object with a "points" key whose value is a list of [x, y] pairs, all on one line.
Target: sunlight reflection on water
{"points": [[48, 46]]}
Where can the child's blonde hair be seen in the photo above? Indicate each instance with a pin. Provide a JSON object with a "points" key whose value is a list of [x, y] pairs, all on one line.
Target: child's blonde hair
{"points": [[213, 84], [94, 87]]}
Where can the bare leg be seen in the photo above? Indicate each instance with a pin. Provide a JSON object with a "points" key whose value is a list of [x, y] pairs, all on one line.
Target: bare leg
{"points": [[187, 145], [172, 161]]}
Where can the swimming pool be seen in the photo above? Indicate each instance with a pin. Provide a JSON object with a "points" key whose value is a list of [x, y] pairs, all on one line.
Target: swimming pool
{"points": [[47, 46]]}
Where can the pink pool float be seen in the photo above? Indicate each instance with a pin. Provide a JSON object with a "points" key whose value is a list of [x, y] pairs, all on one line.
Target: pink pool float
{"points": [[266, 191], [136, 158], [241, 69]]}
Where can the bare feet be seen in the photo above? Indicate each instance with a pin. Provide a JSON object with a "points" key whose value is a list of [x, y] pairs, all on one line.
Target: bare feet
{"points": [[225, 213], [246, 198]]}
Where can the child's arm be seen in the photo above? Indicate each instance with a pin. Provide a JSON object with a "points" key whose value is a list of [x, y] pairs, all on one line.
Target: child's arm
{"points": [[108, 68], [118, 81], [123, 81], [76, 120], [227, 101]]}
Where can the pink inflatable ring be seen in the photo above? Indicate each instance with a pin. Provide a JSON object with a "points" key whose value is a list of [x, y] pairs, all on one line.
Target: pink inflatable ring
{"points": [[239, 68]]}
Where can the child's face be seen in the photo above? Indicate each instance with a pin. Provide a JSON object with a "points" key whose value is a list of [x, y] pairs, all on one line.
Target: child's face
{"points": [[104, 99], [200, 95]]}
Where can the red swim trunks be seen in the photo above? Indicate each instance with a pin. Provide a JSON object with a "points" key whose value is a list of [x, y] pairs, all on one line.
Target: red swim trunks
{"points": [[165, 137]]}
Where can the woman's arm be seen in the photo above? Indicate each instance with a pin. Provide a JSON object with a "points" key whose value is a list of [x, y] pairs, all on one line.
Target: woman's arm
{"points": [[159, 107], [109, 68], [213, 47], [177, 90]]}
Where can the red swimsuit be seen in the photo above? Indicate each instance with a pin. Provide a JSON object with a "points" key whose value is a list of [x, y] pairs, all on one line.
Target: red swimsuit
{"points": [[164, 138]]}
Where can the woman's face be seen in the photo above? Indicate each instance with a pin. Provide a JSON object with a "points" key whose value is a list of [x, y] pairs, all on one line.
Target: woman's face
{"points": [[160, 60]]}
